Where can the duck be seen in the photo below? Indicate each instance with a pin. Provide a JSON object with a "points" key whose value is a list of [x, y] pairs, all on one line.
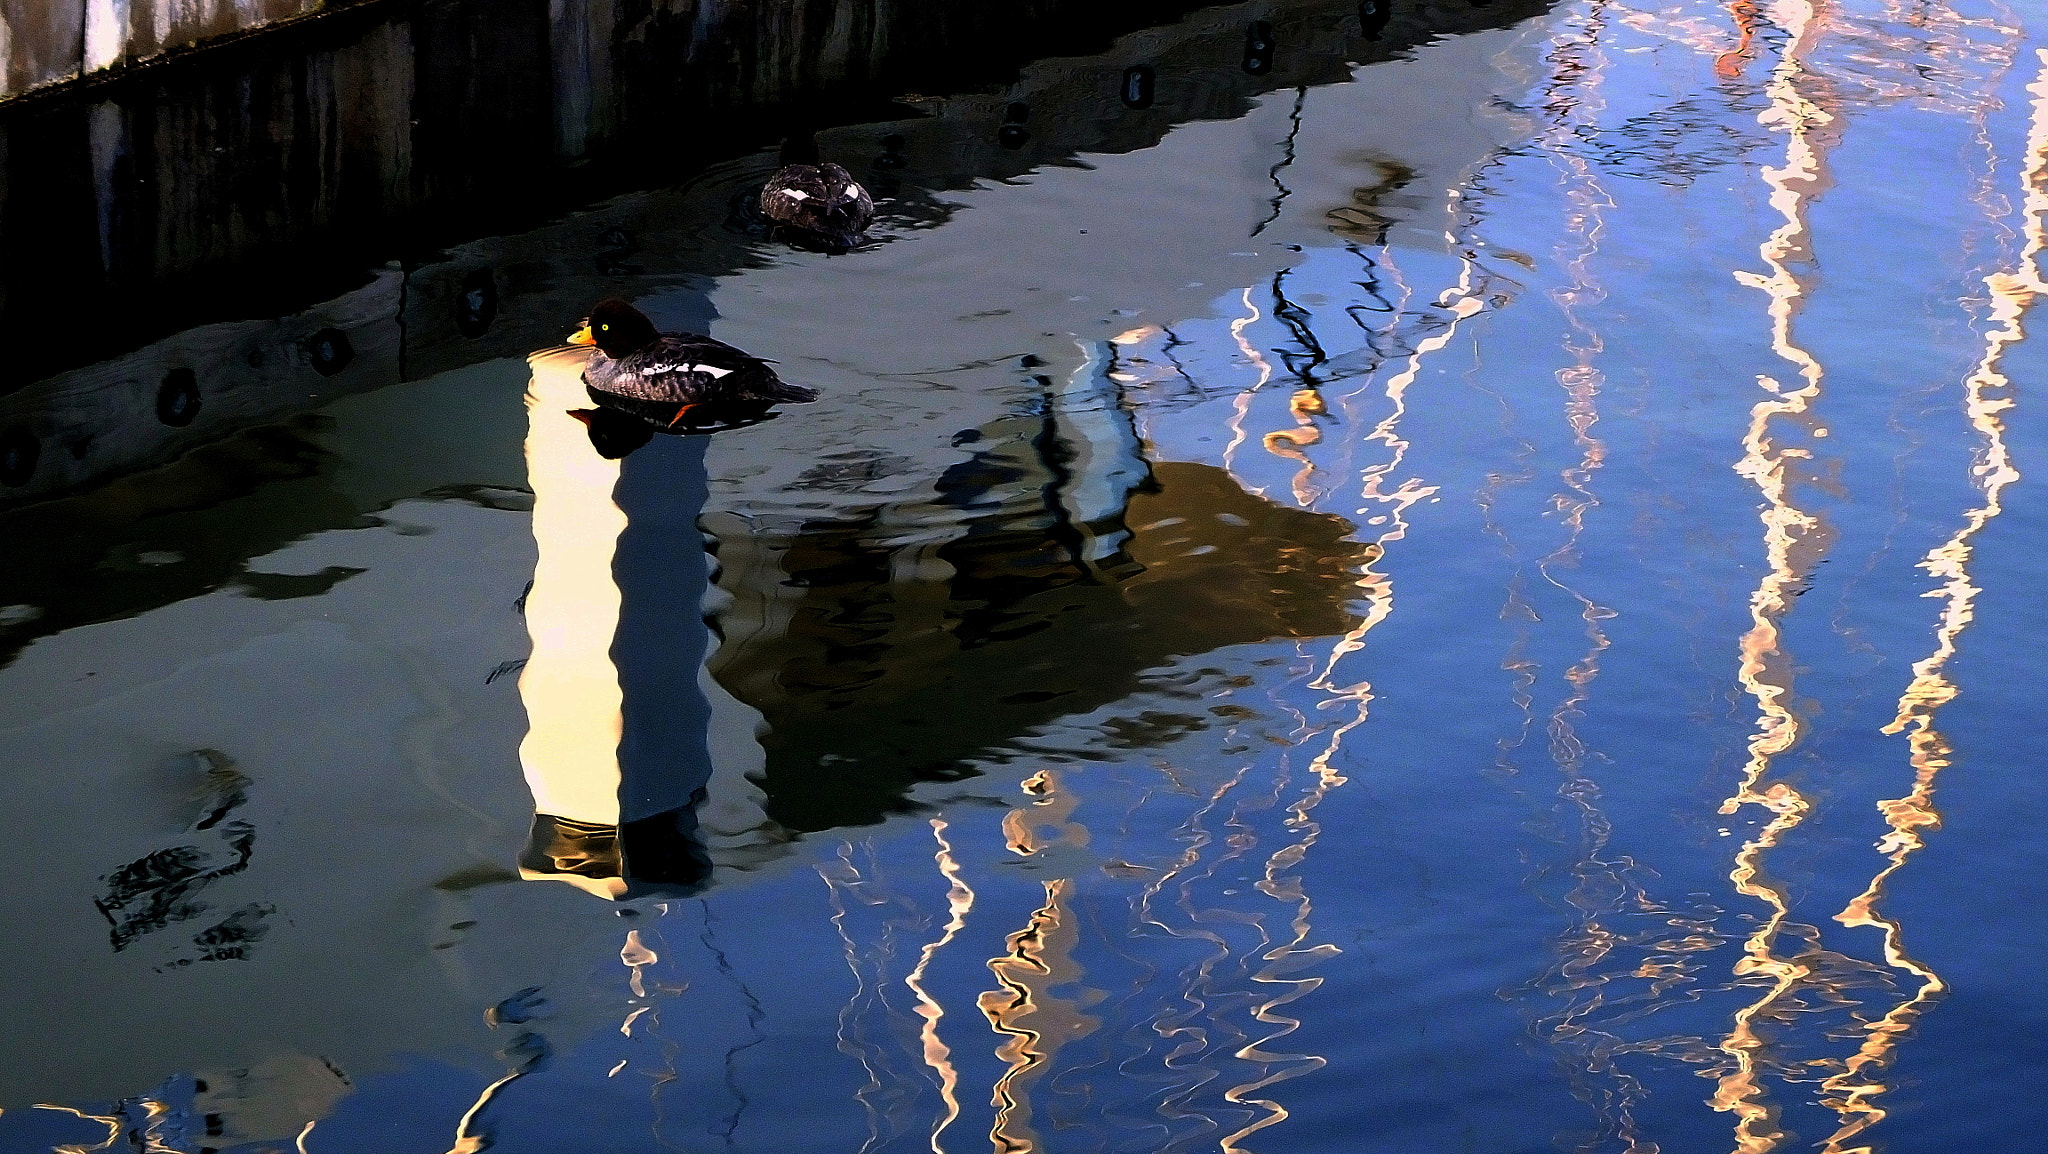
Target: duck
{"points": [[822, 200], [664, 377]]}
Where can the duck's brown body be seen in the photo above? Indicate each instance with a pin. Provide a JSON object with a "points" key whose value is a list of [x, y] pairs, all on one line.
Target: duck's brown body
{"points": [[823, 199], [660, 372]]}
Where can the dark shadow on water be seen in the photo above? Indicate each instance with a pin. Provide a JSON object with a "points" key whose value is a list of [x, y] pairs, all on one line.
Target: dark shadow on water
{"points": [[878, 683]]}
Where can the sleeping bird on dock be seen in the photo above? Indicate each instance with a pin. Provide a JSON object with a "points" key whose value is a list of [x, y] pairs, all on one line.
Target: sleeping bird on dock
{"points": [[664, 377]]}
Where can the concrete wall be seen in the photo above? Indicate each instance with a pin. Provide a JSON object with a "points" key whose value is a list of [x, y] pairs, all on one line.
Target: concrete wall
{"points": [[50, 41], [200, 188]]}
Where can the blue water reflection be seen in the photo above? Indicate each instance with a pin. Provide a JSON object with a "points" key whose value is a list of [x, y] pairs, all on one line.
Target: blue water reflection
{"points": [[1478, 600]]}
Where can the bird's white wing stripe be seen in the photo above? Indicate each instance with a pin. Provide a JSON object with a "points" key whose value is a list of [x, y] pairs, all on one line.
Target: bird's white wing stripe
{"points": [[796, 194], [712, 371]]}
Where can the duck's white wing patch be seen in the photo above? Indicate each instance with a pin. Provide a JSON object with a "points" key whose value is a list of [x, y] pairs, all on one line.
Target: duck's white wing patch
{"points": [[712, 371], [796, 194]]}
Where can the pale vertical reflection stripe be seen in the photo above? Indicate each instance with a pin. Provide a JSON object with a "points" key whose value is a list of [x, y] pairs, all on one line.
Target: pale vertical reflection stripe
{"points": [[153, 1128], [959, 900], [1404, 293], [1794, 540], [1186, 1039], [837, 888], [1280, 884], [569, 686], [1460, 302], [1987, 396], [1242, 406], [1601, 886]]}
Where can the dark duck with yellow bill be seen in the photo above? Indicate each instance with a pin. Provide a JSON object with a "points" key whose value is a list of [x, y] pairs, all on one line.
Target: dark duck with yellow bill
{"points": [[822, 200], [663, 376]]}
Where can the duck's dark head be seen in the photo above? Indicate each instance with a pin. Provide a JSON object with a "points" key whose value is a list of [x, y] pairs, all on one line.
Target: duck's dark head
{"points": [[616, 328]]}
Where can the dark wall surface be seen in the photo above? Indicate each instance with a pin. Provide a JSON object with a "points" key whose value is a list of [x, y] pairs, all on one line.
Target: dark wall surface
{"points": [[277, 171]]}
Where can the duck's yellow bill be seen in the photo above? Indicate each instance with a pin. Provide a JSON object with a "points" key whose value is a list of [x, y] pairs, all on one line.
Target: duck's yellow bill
{"points": [[583, 336]]}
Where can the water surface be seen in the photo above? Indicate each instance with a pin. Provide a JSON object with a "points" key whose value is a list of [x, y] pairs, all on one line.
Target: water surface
{"points": [[1467, 592]]}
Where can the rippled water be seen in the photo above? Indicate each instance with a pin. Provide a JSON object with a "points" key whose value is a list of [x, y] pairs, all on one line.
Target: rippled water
{"points": [[1477, 600]]}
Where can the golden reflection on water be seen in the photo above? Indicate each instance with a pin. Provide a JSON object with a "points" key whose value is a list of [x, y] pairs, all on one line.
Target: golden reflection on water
{"points": [[1279, 883], [1036, 960], [569, 686], [1987, 396], [1186, 1034], [112, 1123], [1382, 521], [1305, 406], [1795, 539], [1748, 19], [937, 1055], [469, 1140]]}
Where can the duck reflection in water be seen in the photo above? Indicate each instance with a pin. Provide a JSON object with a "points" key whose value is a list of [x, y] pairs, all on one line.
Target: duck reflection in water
{"points": [[617, 752], [617, 429]]}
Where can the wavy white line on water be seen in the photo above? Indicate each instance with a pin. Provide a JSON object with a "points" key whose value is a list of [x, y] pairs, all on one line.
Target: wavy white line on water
{"points": [[1795, 539], [1987, 398], [937, 1055], [1241, 407], [1602, 888]]}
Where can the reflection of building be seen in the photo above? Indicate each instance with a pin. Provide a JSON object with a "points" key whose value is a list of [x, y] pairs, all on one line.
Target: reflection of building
{"points": [[907, 568], [620, 748]]}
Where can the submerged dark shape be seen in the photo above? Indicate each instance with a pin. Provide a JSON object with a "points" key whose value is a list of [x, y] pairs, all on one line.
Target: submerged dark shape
{"points": [[819, 199], [664, 376], [1013, 135], [654, 856], [612, 433]]}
